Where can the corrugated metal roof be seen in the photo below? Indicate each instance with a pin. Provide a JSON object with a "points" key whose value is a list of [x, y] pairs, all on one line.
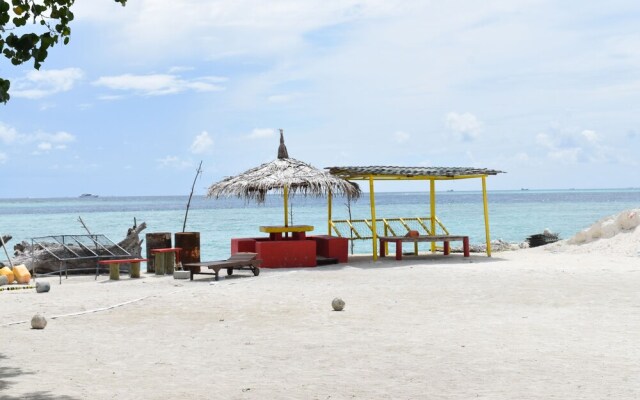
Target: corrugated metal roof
{"points": [[410, 172]]}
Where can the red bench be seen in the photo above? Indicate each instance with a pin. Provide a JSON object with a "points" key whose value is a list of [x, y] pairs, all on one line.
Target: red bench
{"points": [[331, 247], [398, 240], [114, 267]]}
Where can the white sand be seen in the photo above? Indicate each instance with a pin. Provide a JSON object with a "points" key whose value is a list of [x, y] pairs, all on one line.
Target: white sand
{"points": [[559, 322]]}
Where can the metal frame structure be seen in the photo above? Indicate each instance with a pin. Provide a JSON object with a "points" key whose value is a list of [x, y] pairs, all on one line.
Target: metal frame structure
{"points": [[431, 174], [75, 248]]}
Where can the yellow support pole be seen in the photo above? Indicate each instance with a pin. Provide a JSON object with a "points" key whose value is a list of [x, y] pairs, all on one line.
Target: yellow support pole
{"points": [[486, 215], [432, 204], [286, 205], [329, 201], [374, 232]]}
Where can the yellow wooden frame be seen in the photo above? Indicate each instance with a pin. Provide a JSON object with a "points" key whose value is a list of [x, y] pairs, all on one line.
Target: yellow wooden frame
{"points": [[432, 200]]}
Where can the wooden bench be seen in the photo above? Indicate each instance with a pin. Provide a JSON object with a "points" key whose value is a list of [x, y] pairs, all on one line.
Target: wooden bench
{"points": [[164, 261], [114, 267], [236, 261], [398, 240]]}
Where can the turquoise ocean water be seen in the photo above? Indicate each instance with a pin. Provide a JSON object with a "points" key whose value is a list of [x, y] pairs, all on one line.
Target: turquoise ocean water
{"points": [[514, 215]]}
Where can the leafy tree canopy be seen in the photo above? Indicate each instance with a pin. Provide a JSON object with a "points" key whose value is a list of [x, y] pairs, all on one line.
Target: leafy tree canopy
{"points": [[50, 19]]}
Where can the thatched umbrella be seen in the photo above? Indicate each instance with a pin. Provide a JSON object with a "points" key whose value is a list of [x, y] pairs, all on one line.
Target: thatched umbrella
{"points": [[283, 175]]}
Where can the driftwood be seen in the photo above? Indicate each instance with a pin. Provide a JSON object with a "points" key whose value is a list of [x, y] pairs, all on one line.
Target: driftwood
{"points": [[3, 241], [44, 262]]}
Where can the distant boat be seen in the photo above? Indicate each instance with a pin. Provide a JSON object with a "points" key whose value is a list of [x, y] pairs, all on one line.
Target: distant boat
{"points": [[524, 189], [88, 195]]}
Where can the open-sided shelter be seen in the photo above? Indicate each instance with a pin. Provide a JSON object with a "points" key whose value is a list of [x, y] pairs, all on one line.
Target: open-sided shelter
{"points": [[284, 175], [431, 174]]}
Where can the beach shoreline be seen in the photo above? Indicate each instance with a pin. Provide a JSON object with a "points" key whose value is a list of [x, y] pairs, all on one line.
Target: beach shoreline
{"points": [[547, 322]]}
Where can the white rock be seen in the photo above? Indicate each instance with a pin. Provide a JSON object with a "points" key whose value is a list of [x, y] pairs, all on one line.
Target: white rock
{"points": [[337, 304], [38, 322], [3, 280], [181, 274]]}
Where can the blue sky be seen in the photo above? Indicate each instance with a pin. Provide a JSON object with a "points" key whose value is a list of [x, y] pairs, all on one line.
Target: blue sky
{"points": [[547, 91]]}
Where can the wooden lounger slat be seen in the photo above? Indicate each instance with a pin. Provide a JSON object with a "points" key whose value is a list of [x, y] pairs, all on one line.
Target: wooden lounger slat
{"points": [[236, 261]]}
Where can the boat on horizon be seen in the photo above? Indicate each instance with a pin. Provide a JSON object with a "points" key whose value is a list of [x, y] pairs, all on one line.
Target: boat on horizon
{"points": [[88, 195]]}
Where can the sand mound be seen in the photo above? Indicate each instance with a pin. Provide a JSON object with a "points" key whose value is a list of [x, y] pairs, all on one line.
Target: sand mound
{"points": [[608, 227], [616, 234]]}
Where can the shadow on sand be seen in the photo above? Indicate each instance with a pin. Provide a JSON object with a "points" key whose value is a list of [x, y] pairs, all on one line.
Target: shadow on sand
{"points": [[366, 262], [423, 260], [8, 372]]}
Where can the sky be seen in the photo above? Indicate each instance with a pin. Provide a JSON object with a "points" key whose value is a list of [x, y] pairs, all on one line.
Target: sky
{"points": [[547, 91]]}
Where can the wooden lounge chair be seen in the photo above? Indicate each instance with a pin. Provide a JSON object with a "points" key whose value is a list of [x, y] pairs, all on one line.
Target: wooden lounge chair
{"points": [[236, 261]]}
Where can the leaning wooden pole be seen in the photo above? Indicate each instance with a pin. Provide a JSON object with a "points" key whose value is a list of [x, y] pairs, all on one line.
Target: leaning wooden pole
{"points": [[84, 226], [6, 252], [198, 172]]}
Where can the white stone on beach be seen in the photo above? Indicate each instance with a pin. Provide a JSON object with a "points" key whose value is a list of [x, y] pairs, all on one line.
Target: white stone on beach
{"points": [[38, 322], [337, 304], [181, 274], [42, 287]]}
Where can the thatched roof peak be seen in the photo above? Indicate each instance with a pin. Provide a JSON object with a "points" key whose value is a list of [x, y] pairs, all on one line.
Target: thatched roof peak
{"points": [[282, 149]]}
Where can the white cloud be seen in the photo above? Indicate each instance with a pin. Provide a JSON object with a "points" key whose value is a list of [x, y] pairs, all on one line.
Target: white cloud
{"points": [[160, 84], [225, 29], [173, 162], [590, 136], [571, 155], [466, 126], [544, 140], [110, 97], [401, 137], [202, 143], [58, 137], [583, 146], [45, 142], [45, 146], [38, 84], [177, 68], [260, 133], [282, 98], [7, 133]]}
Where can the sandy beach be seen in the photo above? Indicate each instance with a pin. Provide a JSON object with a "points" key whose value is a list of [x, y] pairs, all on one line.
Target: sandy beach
{"points": [[554, 322]]}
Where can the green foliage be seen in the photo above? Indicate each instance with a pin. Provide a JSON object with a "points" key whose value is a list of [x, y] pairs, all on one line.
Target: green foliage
{"points": [[52, 16]]}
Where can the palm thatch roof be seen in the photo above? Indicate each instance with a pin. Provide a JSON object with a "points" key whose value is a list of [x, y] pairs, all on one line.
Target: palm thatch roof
{"points": [[296, 176]]}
